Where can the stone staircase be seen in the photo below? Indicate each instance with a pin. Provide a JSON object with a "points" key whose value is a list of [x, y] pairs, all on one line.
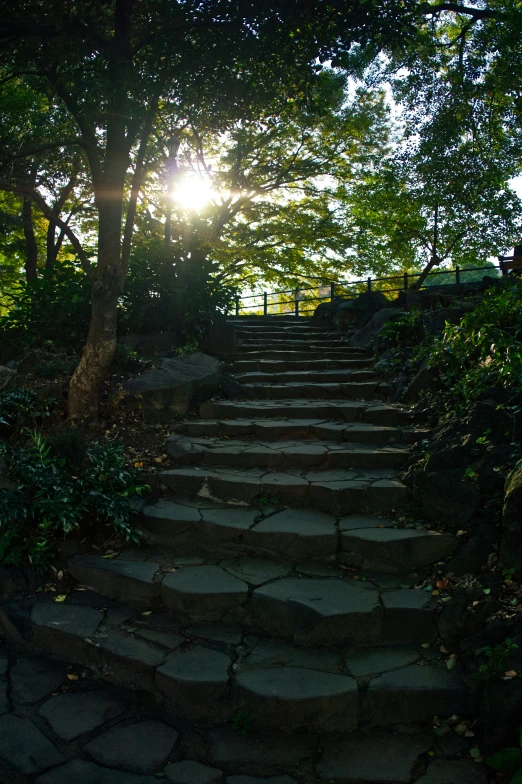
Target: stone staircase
{"points": [[277, 584]]}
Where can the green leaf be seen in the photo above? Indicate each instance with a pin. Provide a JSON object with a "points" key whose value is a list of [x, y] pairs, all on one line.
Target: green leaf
{"points": [[506, 761], [517, 778]]}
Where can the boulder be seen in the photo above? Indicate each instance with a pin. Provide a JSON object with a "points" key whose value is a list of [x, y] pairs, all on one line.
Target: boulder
{"points": [[363, 336], [434, 321], [474, 553], [324, 314], [173, 387], [424, 379], [447, 497], [511, 543], [6, 376], [358, 312]]}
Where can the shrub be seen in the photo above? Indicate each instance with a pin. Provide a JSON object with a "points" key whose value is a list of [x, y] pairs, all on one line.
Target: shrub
{"points": [[54, 497], [485, 349], [23, 406]]}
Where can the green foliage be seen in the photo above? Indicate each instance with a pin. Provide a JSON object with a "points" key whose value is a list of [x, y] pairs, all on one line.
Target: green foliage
{"points": [[60, 487], [52, 368], [124, 357], [241, 722], [484, 350], [24, 405], [496, 660], [167, 293], [508, 761], [55, 309]]}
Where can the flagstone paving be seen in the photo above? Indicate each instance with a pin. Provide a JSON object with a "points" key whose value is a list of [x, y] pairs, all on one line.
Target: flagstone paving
{"points": [[271, 630]]}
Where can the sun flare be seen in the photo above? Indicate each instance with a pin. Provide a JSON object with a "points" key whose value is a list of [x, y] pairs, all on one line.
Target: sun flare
{"points": [[193, 193]]}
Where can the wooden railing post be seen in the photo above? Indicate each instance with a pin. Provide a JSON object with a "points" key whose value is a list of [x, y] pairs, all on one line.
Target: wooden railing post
{"points": [[457, 274], [369, 284], [237, 306], [406, 284], [296, 302], [265, 303], [332, 291]]}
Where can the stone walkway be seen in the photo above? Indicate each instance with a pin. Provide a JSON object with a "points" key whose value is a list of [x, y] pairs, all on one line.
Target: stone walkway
{"points": [[271, 630]]}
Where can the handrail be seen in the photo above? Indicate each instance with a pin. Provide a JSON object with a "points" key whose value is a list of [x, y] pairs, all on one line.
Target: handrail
{"points": [[368, 283]]}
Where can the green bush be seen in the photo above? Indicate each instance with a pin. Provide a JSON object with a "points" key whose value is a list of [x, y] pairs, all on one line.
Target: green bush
{"points": [[484, 350], [54, 497], [23, 406]]}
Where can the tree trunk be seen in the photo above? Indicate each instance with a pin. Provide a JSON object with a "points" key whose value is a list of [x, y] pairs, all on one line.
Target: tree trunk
{"points": [[87, 382], [31, 248]]}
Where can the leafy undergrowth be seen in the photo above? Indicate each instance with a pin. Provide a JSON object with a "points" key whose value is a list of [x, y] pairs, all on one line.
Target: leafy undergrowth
{"points": [[60, 486]]}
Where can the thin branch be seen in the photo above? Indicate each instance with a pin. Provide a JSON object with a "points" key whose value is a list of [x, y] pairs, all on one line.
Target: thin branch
{"points": [[32, 194], [476, 13]]}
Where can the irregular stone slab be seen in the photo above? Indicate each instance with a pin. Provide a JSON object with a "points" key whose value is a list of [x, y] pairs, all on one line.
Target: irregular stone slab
{"points": [[382, 415], [414, 694], [132, 581], [82, 772], [168, 520], [395, 549], [139, 748], [371, 661], [34, 677], [131, 660], [386, 494], [361, 521], [339, 498], [276, 653], [255, 780], [297, 533], [26, 748], [72, 715], [409, 616], [193, 680], [169, 640], [4, 663], [376, 758], [450, 772], [4, 698], [71, 627], [229, 635], [259, 753], [296, 698], [191, 772], [256, 571], [203, 593], [317, 610]]}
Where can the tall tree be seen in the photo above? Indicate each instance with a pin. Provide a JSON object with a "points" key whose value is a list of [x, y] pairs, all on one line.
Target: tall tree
{"points": [[110, 65]]}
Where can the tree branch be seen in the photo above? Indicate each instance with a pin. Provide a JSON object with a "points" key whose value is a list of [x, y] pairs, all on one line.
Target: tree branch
{"points": [[32, 194], [476, 13]]}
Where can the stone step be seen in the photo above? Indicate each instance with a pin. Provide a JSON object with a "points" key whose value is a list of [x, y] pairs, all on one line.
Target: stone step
{"points": [[362, 541], [288, 343], [263, 596], [334, 411], [317, 365], [203, 671], [277, 321], [330, 348], [238, 453], [354, 390], [246, 353], [337, 491], [303, 376], [253, 333], [266, 429]]}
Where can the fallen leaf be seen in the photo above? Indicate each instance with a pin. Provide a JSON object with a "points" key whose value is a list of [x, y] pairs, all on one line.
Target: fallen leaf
{"points": [[451, 663], [71, 676], [511, 674], [61, 598], [147, 612]]}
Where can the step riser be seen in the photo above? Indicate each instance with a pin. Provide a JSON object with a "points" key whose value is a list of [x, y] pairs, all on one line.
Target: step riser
{"points": [[291, 542], [286, 344], [295, 430], [258, 356], [319, 365], [344, 705], [326, 376], [329, 349], [328, 496], [349, 459], [351, 391]]}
